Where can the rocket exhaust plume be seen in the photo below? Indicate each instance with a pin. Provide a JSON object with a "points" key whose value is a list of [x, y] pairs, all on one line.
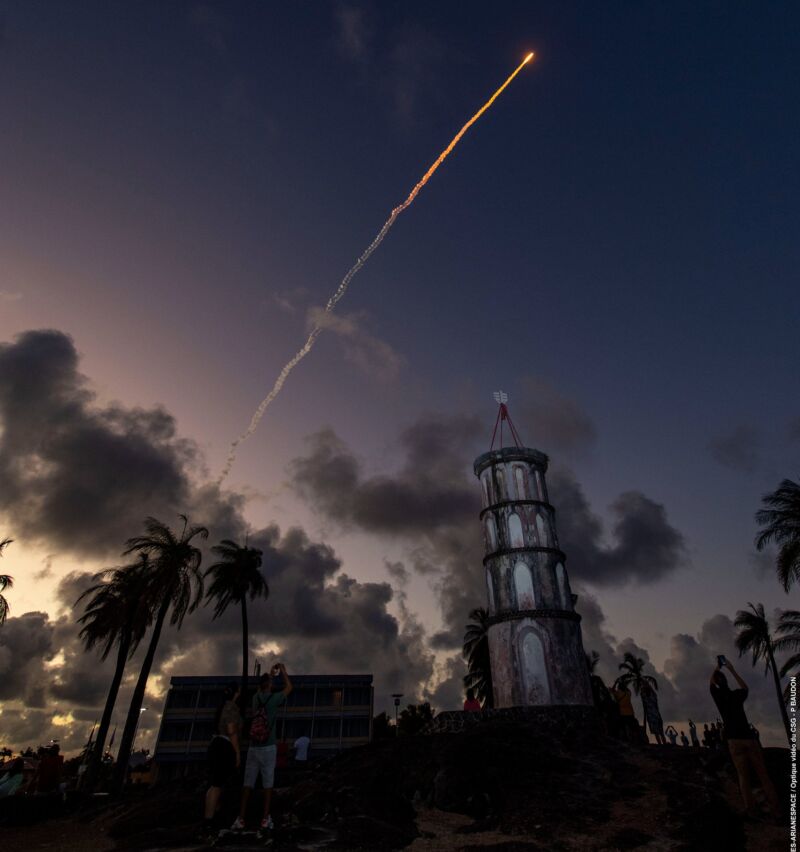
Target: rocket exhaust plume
{"points": [[345, 283]]}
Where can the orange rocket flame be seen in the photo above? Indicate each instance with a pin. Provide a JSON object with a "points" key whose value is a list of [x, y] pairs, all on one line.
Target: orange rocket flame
{"points": [[342, 288], [457, 138]]}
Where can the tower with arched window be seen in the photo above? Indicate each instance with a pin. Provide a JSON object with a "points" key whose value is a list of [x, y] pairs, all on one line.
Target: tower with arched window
{"points": [[535, 641]]}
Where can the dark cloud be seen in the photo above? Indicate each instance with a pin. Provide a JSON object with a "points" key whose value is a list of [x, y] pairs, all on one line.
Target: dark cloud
{"points": [[449, 691], [317, 619], [683, 682], [553, 422], [370, 354], [79, 476], [431, 503], [737, 449], [398, 572], [645, 546], [26, 644], [596, 636], [689, 667], [321, 619], [430, 491], [46, 571]]}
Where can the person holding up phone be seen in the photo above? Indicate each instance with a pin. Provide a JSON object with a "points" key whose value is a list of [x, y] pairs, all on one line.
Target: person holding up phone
{"points": [[745, 749], [262, 751]]}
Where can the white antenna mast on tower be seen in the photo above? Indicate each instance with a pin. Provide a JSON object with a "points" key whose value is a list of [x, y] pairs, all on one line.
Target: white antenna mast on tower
{"points": [[500, 397]]}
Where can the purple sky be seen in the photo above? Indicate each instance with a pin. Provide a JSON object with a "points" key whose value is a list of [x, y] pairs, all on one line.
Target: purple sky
{"points": [[614, 244]]}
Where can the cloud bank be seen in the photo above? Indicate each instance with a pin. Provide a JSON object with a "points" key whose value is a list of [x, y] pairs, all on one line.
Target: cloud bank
{"points": [[78, 478]]}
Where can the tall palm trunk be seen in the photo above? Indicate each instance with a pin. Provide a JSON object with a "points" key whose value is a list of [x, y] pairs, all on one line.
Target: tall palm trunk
{"points": [[245, 643], [105, 721], [779, 691], [132, 722]]}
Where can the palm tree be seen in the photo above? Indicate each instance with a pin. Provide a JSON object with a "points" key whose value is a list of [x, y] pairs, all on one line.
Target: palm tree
{"points": [[754, 636], [234, 577], [174, 580], [788, 631], [780, 520], [633, 676], [115, 613], [6, 582], [476, 653]]}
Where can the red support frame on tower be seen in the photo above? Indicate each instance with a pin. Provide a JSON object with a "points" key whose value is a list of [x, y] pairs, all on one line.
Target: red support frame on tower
{"points": [[502, 417]]}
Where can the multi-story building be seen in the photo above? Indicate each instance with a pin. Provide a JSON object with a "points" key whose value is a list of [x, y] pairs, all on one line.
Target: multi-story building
{"points": [[334, 711]]}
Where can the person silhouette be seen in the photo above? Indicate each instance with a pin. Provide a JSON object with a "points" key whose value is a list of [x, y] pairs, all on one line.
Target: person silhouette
{"points": [[745, 750]]}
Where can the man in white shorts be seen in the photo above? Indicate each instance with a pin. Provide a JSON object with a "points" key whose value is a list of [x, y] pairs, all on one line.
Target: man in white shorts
{"points": [[262, 751]]}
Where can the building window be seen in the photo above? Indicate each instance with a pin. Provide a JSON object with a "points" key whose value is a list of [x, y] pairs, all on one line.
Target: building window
{"points": [[326, 729], [541, 529], [523, 583], [210, 698], [534, 670], [295, 728], [357, 696], [501, 484], [182, 699], [329, 697], [490, 591], [491, 535], [203, 732], [176, 732], [355, 727], [519, 476], [301, 697], [563, 589], [515, 536]]}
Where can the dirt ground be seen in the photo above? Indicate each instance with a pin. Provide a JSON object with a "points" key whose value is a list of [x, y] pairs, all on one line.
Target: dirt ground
{"points": [[60, 835], [506, 787]]}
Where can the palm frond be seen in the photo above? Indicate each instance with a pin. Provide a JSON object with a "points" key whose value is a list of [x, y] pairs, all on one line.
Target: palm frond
{"points": [[780, 522]]}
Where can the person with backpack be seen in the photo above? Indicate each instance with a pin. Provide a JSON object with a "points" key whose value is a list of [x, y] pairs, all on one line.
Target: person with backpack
{"points": [[262, 752]]}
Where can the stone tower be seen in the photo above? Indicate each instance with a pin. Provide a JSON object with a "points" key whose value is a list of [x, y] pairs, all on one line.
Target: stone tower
{"points": [[535, 644]]}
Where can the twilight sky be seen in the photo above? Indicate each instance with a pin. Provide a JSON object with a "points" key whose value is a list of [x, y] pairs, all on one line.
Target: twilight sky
{"points": [[614, 244]]}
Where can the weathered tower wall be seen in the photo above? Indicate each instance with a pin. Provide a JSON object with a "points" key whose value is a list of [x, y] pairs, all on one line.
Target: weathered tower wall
{"points": [[535, 641]]}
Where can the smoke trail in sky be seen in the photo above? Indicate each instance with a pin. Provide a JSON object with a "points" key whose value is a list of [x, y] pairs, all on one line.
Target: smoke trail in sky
{"points": [[342, 288]]}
